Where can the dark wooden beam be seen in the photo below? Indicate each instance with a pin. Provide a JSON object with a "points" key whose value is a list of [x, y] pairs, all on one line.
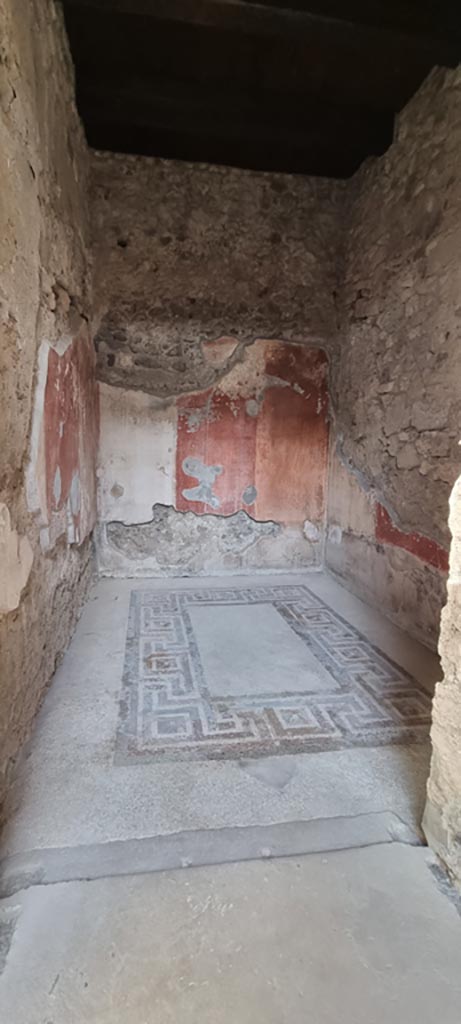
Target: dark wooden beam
{"points": [[310, 86], [265, 18], [321, 160], [298, 65], [163, 96], [233, 129], [439, 17]]}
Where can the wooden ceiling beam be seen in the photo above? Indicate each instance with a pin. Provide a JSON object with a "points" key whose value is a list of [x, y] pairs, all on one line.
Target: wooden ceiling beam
{"points": [[262, 19], [233, 130], [310, 86], [267, 113], [299, 66], [323, 160]]}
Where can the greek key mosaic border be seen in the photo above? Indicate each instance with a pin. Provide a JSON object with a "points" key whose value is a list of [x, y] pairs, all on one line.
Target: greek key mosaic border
{"points": [[168, 713]]}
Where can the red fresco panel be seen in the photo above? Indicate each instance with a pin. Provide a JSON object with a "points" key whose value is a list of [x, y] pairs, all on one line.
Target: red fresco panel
{"points": [[71, 427], [215, 430], [292, 436], [424, 548]]}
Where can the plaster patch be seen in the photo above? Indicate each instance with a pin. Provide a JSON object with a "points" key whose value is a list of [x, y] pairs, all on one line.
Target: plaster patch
{"points": [[16, 557], [206, 476], [74, 324], [35, 473], [183, 539], [311, 531], [218, 352], [57, 487], [45, 540], [7, 928], [252, 407], [196, 417], [249, 495], [75, 496]]}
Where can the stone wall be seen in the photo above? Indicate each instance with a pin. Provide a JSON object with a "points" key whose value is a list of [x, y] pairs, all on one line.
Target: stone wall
{"points": [[188, 253], [197, 269], [442, 819], [396, 390], [48, 398]]}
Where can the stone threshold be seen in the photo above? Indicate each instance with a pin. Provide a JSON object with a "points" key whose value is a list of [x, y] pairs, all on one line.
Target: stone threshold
{"points": [[200, 848]]}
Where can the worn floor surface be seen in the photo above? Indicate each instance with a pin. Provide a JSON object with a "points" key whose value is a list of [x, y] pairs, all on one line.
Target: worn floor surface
{"points": [[93, 774], [353, 937], [76, 785], [272, 737], [229, 672]]}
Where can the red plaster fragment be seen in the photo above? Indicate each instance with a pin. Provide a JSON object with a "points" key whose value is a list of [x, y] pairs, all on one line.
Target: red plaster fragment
{"points": [[223, 434], [218, 351], [423, 547], [292, 436], [71, 427], [273, 443]]}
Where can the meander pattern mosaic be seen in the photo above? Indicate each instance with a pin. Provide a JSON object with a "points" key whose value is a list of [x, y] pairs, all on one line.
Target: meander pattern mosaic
{"points": [[167, 711]]}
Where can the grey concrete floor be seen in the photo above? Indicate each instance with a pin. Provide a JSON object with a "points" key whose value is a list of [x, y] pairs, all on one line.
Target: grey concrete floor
{"points": [[353, 937], [306, 895]]}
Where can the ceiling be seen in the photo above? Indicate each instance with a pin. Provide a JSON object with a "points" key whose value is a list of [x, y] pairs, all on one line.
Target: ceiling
{"points": [[309, 86]]}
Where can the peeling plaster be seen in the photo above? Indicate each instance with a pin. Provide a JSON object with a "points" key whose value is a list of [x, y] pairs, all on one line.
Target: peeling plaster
{"points": [[177, 543], [219, 351], [252, 407], [57, 487], [63, 442], [249, 495], [172, 534], [206, 476], [379, 562], [16, 557], [387, 525], [35, 473], [245, 257], [205, 453], [75, 495], [311, 531]]}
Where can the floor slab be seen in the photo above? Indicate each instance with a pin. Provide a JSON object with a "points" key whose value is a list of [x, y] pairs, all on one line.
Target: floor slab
{"points": [[360, 937], [195, 848]]}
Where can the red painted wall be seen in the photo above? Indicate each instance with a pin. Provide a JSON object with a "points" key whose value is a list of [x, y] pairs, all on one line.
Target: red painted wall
{"points": [[226, 437], [292, 436], [270, 434], [423, 547], [71, 429]]}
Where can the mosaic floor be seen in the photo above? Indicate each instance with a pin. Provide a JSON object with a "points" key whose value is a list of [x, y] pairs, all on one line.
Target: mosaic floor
{"points": [[233, 673]]}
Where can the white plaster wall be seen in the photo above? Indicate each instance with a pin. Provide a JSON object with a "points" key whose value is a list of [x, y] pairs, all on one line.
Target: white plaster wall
{"points": [[350, 507], [136, 455]]}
